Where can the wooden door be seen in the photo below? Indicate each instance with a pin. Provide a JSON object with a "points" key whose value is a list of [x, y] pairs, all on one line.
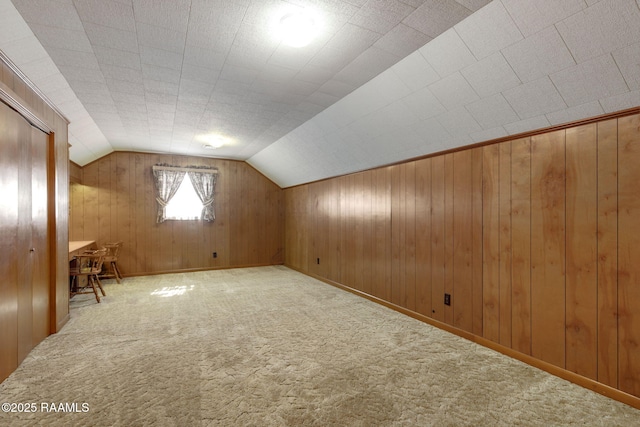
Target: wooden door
{"points": [[8, 241], [24, 265], [39, 257]]}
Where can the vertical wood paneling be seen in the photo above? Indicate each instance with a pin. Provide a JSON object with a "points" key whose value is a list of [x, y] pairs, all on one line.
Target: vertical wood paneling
{"points": [[437, 237], [548, 247], [462, 297], [448, 236], [119, 204], [491, 243], [367, 233], [476, 220], [607, 212], [629, 254], [410, 236], [582, 249], [423, 237], [521, 245], [505, 242], [398, 226], [382, 230]]}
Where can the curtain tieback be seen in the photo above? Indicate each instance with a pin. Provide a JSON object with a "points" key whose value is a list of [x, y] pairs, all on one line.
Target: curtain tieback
{"points": [[208, 202], [161, 202]]}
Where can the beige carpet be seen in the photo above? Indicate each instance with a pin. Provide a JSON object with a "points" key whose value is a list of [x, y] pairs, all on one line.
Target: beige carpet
{"points": [[272, 347]]}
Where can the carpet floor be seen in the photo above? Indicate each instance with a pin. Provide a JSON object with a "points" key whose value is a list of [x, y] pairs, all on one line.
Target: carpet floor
{"points": [[271, 347]]}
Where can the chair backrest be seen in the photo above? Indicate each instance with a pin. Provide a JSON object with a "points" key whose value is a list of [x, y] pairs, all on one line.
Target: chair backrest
{"points": [[112, 250], [89, 262]]}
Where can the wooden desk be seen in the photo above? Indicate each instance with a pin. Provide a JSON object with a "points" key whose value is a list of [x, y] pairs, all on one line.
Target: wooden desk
{"points": [[76, 247]]}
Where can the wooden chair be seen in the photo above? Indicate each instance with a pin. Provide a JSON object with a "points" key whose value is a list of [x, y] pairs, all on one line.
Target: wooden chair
{"points": [[111, 262], [84, 273]]}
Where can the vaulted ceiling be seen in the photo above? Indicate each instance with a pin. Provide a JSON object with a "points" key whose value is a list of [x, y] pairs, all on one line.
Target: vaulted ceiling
{"points": [[385, 80]]}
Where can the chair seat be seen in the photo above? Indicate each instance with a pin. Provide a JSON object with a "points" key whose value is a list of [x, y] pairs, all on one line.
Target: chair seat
{"points": [[111, 269], [87, 265]]}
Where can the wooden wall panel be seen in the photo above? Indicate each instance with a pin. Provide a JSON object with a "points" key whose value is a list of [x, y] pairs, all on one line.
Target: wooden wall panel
{"points": [[582, 251], [491, 242], [477, 159], [382, 231], [448, 236], [505, 251], [398, 230], [629, 254], [548, 247], [423, 237], [462, 277], [410, 236], [607, 315], [117, 199], [521, 245], [437, 237]]}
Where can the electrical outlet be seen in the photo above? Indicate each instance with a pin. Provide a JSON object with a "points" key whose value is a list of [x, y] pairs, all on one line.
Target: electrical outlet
{"points": [[318, 261], [215, 254], [447, 299]]}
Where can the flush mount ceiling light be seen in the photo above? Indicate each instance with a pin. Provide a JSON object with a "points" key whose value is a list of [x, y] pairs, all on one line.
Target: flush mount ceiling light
{"points": [[213, 141], [297, 29]]}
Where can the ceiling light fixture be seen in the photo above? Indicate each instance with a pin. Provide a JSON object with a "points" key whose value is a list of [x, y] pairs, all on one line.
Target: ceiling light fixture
{"points": [[297, 29], [213, 141]]}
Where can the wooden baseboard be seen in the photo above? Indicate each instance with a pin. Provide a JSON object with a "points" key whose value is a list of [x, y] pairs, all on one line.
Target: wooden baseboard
{"points": [[580, 380]]}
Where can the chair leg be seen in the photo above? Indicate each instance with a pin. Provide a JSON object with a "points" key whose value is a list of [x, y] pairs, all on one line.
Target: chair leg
{"points": [[92, 282], [100, 285], [116, 271]]}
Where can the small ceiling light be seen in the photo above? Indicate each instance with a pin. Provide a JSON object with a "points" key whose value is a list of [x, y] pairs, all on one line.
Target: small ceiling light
{"points": [[212, 141], [297, 29]]}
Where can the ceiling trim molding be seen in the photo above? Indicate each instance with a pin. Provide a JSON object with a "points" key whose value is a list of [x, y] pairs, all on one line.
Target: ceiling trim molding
{"points": [[16, 103], [19, 74]]}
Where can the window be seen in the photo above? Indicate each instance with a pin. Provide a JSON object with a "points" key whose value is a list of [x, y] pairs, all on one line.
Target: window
{"points": [[185, 193], [185, 204]]}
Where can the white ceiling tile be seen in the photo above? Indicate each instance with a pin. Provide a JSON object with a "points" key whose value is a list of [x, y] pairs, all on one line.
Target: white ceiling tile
{"points": [[432, 132], [114, 38], [459, 123], [628, 61], [121, 73], [535, 98], [488, 134], [473, 4], [25, 50], [63, 15], [160, 58], [166, 88], [415, 71], [106, 12], [434, 17], [590, 109], [590, 81], [163, 74], [125, 86], [621, 102], [602, 28], [538, 122], [492, 112], [424, 103], [161, 38], [488, 30], [453, 92], [402, 40], [115, 57], [539, 55], [201, 57], [381, 15], [172, 14], [69, 58], [200, 74], [491, 75], [533, 16], [336, 88], [447, 53], [366, 66]]}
